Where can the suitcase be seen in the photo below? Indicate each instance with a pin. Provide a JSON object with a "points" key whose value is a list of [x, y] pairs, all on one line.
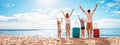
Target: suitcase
{"points": [[96, 31], [76, 32]]}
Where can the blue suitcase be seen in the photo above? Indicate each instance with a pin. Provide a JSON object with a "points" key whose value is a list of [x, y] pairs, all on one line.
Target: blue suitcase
{"points": [[76, 32]]}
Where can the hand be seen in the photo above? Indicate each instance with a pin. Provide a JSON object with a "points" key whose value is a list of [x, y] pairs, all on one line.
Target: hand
{"points": [[80, 6], [72, 9], [78, 15], [96, 4], [62, 18], [61, 10]]}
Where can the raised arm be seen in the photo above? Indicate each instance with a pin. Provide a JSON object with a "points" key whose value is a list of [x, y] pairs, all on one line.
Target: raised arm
{"points": [[71, 12], [61, 20], [83, 10], [57, 19], [95, 9], [79, 17], [63, 13]]}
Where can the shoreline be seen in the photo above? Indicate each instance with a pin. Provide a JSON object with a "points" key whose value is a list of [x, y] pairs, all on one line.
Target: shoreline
{"points": [[24, 40]]}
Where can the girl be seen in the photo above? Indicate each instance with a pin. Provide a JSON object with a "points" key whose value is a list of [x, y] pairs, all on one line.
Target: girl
{"points": [[59, 27]]}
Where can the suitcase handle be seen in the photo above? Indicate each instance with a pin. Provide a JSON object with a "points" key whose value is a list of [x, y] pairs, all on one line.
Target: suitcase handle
{"points": [[76, 24], [95, 25]]}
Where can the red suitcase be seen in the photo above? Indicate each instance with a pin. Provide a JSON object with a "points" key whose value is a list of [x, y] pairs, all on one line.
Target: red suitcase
{"points": [[96, 31]]}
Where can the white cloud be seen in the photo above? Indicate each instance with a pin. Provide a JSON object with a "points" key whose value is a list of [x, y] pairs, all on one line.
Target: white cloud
{"points": [[116, 12], [3, 18], [47, 3], [33, 20], [108, 23], [111, 4], [102, 1], [46, 20]]}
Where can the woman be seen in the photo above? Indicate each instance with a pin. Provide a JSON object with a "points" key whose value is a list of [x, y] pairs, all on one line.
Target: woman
{"points": [[67, 21]]}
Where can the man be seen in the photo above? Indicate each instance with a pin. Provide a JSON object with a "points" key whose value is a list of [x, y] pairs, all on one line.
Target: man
{"points": [[89, 15]]}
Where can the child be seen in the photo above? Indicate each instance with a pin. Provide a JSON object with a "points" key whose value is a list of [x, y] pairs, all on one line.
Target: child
{"points": [[59, 27], [82, 26], [67, 18]]}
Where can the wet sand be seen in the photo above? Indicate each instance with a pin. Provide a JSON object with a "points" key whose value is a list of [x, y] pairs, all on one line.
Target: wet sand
{"points": [[22, 40]]}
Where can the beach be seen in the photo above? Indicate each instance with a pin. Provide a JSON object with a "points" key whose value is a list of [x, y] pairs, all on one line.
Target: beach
{"points": [[24, 40]]}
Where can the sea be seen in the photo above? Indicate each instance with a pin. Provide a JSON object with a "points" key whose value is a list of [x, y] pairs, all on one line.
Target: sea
{"points": [[104, 32]]}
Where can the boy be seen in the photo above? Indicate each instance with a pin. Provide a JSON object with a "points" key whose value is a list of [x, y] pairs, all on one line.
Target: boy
{"points": [[82, 26]]}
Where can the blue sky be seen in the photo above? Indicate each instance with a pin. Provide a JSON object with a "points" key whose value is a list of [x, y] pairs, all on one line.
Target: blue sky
{"points": [[37, 13]]}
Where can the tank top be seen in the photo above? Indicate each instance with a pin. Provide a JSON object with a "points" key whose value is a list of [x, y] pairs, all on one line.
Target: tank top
{"points": [[67, 20]]}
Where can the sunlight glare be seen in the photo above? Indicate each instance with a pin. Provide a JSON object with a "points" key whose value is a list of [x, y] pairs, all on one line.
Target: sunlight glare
{"points": [[48, 3]]}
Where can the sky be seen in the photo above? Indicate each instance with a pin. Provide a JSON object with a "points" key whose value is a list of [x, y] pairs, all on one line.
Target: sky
{"points": [[42, 14]]}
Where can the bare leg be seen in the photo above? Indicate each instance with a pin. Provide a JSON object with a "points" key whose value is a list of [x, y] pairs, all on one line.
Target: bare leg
{"points": [[59, 34], [82, 33], [88, 33], [66, 33], [91, 30], [88, 30]]}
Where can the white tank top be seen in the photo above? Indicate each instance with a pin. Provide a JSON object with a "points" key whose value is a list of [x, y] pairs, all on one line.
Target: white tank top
{"points": [[67, 20]]}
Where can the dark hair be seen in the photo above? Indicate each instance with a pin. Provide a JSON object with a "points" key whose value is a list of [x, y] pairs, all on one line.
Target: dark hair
{"points": [[88, 10], [67, 15]]}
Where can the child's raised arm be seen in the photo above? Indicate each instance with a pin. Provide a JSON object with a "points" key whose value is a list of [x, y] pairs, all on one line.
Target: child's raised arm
{"points": [[63, 13], [61, 20], [79, 17], [57, 19], [83, 10]]}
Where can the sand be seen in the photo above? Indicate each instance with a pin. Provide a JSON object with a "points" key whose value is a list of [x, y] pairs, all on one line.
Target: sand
{"points": [[23, 40]]}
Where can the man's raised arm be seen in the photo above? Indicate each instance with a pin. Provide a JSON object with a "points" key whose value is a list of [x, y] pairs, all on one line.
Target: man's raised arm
{"points": [[95, 9], [83, 10]]}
